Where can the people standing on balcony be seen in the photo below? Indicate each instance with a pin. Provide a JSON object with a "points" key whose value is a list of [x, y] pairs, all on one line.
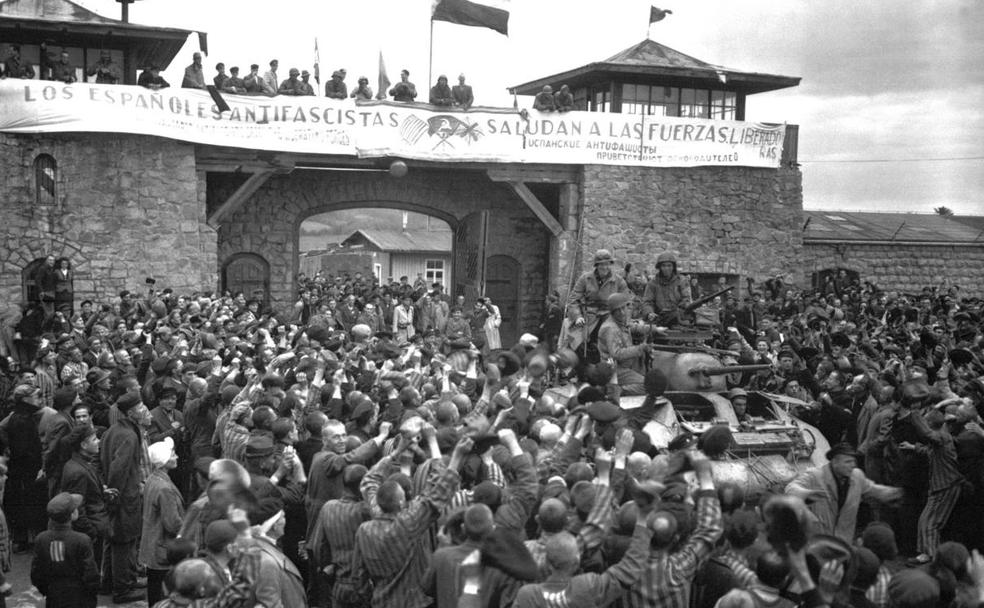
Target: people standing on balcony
{"points": [[363, 92], [440, 93], [563, 100], [544, 100], [234, 84], [305, 87], [63, 70], [220, 76], [291, 86], [151, 79], [194, 75], [255, 84], [462, 93], [105, 70], [13, 65], [336, 87], [271, 78], [404, 91]]}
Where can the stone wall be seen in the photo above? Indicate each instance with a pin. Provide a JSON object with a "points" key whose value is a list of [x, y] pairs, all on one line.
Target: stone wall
{"points": [[126, 208], [902, 267], [740, 221], [268, 223]]}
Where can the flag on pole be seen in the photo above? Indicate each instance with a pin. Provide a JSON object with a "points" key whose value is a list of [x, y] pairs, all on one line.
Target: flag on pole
{"points": [[384, 81], [317, 62], [493, 14], [658, 14]]}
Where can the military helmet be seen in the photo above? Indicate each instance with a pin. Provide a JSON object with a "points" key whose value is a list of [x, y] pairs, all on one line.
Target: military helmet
{"points": [[618, 300], [603, 256], [666, 257]]}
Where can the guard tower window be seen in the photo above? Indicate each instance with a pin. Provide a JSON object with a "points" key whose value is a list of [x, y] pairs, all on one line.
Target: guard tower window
{"points": [[45, 179]]}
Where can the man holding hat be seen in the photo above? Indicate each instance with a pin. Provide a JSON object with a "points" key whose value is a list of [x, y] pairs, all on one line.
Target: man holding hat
{"points": [[63, 568], [589, 298], [615, 344], [834, 492]]}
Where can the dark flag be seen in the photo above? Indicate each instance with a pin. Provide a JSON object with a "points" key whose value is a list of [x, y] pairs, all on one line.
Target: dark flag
{"points": [[658, 14]]}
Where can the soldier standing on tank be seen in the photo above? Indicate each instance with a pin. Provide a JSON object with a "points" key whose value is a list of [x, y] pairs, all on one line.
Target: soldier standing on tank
{"points": [[667, 294], [589, 299], [615, 345]]}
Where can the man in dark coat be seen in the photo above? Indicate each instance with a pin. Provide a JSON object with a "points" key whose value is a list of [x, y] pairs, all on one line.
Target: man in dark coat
{"points": [[81, 475], [120, 457], [25, 493], [61, 424], [63, 568]]}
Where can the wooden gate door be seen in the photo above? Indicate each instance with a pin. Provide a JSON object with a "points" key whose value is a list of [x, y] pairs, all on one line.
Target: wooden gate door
{"points": [[469, 256], [250, 274], [502, 277]]}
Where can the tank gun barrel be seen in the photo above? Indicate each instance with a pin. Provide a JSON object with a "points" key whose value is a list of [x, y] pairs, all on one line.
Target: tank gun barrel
{"points": [[726, 369]]}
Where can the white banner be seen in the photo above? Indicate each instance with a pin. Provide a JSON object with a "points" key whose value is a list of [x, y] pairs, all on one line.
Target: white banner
{"points": [[415, 131]]}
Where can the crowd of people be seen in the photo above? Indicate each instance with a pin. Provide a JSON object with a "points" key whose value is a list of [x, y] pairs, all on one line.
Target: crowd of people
{"points": [[377, 445], [58, 67]]}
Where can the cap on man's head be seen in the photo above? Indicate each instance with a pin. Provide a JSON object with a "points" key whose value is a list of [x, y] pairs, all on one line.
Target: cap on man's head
{"points": [[61, 507], [128, 401], [294, 71], [160, 452], [219, 534], [259, 446], [254, 66], [305, 73]]}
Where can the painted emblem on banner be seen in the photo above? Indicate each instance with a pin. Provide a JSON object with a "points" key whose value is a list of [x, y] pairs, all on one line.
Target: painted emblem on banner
{"points": [[447, 130]]}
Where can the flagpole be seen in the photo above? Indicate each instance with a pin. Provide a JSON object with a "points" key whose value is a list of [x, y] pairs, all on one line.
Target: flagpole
{"points": [[430, 55]]}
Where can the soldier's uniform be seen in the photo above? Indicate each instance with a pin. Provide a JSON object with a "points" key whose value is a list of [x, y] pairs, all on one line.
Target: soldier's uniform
{"points": [[665, 297], [615, 344], [589, 298]]}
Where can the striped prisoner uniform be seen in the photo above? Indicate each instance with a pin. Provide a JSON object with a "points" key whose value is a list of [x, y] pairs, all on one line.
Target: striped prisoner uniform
{"points": [[392, 550], [944, 483], [667, 577]]}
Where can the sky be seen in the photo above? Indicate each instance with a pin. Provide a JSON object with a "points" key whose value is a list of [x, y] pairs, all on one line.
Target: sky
{"points": [[889, 106]]}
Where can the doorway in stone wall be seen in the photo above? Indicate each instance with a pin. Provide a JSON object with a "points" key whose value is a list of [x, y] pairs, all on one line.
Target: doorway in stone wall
{"points": [[247, 273], [502, 277]]}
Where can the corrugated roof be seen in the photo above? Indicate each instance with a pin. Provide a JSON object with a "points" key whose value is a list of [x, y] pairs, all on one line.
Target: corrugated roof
{"points": [[888, 227], [404, 241], [654, 60]]}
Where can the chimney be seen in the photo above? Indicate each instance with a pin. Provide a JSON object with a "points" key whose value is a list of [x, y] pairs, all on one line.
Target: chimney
{"points": [[406, 216]]}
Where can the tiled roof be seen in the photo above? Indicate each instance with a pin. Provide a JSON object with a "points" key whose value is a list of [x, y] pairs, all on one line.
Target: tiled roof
{"points": [[404, 241], [889, 227]]}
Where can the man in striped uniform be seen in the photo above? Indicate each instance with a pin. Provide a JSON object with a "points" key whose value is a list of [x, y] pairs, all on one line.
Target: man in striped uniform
{"points": [[667, 577], [391, 550], [332, 542], [564, 590], [945, 480]]}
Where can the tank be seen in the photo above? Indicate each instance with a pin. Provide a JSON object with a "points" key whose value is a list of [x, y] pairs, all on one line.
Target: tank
{"points": [[766, 452]]}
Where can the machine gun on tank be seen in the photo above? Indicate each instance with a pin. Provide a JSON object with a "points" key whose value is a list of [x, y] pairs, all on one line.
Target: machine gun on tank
{"points": [[689, 308]]}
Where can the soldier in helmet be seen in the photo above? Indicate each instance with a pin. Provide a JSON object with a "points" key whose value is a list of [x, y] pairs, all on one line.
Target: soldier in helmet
{"points": [[588, 299], [667, 294], [615, 344]]}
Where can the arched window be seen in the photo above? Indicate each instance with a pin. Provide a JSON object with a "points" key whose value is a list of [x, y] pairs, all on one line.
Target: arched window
{"points": [[45, 179]]}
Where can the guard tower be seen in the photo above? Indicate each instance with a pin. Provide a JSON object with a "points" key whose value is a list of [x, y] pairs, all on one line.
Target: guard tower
{"points": [[64, 25], [653, 79]]}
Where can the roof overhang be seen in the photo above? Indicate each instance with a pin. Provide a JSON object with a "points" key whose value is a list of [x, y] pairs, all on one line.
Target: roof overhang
{"points": [[742, 82], [148, 45]]}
